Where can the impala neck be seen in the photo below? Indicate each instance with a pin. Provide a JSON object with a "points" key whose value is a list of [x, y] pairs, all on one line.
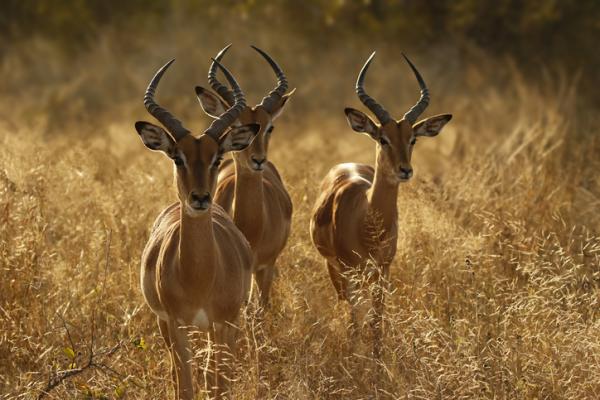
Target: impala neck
{"points": [[383, 194], [248, 202], [197, 254]]}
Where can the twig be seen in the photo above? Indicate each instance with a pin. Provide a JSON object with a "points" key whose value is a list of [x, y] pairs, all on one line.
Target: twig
{"points": [[61, 376], [68, 333]]}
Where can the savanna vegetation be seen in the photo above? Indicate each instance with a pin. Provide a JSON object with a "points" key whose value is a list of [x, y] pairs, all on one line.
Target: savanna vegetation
{"points": [[495, 288]]}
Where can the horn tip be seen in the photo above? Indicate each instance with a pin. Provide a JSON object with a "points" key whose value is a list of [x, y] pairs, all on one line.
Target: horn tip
{"points": [[224, 50], [408, 60]]}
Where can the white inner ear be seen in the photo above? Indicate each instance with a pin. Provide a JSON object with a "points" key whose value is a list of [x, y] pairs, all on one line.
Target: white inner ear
{"points": [[155, 138], [358, 122], [431, 127], [361, 123], [211, 104], [434, 126]]}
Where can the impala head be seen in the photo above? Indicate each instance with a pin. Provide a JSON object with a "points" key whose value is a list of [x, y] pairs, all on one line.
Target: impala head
{"points": [[396, 138], [255, 156], [196, 159]]}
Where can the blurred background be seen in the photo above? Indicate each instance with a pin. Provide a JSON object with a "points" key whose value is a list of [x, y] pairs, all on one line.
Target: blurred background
{"points": [[79, 61], [497, 277]]}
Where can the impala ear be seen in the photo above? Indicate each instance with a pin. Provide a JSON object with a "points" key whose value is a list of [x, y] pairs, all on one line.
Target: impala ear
{"points": [[284, 100], [211, 103], [361, 122], [155, 137], [238, 137], [431, 126]]}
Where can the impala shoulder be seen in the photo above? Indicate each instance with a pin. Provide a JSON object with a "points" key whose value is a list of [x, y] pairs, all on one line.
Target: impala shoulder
{"points": [[164, 225]]}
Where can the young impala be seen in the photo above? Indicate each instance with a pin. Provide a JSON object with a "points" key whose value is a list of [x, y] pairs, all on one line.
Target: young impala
{"points": [[354, 223], [196, 266], [250, 188]]}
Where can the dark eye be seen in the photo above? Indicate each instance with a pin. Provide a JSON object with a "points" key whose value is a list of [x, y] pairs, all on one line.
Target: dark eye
{"points": [[270, 129], [413, 141], [178, 161], [384, 141]]}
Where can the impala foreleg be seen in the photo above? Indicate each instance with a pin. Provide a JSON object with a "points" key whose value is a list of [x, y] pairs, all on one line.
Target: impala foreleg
{"points": [[378, 294], [182, 357], [163, 326], [377, 320], [337, 279], [223, 338], [355, 295], [264, 280]]}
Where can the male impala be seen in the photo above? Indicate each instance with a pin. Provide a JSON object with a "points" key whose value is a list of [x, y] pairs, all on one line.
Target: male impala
{"points": [[196, 266], [354, 224], [250, 188]]}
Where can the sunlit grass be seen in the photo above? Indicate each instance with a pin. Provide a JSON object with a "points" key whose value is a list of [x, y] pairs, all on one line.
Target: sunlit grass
{"points": [[495, 285]]}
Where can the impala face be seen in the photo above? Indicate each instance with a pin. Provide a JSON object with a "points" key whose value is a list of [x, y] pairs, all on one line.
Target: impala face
{"points": [[396, 138], [196, 160], [256, 155]]}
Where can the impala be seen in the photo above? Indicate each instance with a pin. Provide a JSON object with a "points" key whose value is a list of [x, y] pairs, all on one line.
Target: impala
{"points": [[354, 224], [249, 187], [196, 266]]}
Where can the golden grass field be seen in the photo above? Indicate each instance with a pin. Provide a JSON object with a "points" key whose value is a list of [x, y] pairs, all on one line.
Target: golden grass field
{"points": [[495, 288]]}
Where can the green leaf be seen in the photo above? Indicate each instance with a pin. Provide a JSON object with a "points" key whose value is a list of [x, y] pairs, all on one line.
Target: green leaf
{"points": [[69, 352], [140, 343], [120, 390]]}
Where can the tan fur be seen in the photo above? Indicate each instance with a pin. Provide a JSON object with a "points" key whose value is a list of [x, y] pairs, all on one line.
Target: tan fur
{"points": [[354, 224], [257, 200], [196, 268], [251, 190]]}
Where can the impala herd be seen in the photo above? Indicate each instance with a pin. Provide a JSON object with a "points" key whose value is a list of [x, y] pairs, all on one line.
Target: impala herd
{"points": [[233, 217]]}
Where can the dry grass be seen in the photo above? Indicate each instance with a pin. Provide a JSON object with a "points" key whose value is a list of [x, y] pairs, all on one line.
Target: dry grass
{"points": [[495, 286]]}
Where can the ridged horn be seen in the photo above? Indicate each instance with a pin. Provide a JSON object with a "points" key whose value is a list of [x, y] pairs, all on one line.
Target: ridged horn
{"points": [[216, 129], [416, 110], [275, 95], [382, 115], [173, 125], [223, 91]]}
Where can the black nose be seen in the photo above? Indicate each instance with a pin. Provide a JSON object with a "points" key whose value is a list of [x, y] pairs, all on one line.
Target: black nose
{"points": [[199, 201], [259, 162], [406, 172]]}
